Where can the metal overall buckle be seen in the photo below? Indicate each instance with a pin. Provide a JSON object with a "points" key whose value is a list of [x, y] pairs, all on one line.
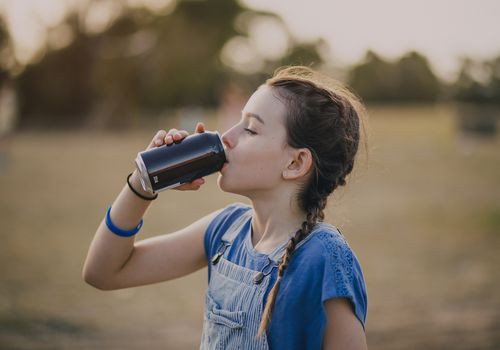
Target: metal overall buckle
{"points": [[259, 276], [220, 252]]}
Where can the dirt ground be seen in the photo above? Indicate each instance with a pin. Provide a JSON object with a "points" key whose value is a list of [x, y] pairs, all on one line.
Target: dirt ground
{"points": [[422, 213]]}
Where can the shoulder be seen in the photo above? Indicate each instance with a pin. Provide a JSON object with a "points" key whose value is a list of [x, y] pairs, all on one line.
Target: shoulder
{"points": [[221, 222], [336, 249], [228, 214], [326, 244], [323, 252], [336, 267], [334, 252]]}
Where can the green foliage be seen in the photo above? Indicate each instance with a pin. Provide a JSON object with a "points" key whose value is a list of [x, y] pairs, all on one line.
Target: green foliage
{"points": [[478, 81], [410, 79], [146, 62], [306, 54], [142, 62], [5, 52], [57, 90]]}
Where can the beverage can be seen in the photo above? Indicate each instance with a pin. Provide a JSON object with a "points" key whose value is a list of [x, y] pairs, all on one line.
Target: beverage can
{"points": [[183, 161]]}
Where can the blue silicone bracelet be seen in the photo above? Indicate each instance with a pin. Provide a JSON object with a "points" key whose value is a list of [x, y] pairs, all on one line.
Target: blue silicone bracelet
{"points": [[118, 231]]}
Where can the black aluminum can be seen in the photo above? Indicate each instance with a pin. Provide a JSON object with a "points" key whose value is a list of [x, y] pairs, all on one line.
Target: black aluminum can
{"points": [[183, 161]]}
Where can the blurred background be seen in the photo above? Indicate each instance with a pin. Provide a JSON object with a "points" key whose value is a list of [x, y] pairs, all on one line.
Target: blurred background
{"points": [[84, 85]]}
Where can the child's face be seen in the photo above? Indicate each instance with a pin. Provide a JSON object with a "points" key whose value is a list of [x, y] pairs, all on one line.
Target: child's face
{"points": [[256, 162]]}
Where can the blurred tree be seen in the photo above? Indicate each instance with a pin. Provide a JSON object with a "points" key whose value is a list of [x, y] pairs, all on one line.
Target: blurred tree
{"points": [[410, 79], [142, 61], [185, 68], [8, 102], [299, 53], [307, 54], [374, 79], [55, 92], [477, 91], [417, 82], [467, 86], [6, 52], [493, 86]]}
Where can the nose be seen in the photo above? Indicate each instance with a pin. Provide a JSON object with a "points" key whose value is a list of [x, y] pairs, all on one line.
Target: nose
{"points": [[228, 143]]}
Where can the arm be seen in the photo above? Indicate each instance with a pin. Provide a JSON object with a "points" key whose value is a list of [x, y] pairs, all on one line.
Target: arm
{"points": [[118, 262], [343, 330]]}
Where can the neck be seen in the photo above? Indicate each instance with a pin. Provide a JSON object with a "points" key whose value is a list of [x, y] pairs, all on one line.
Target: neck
{"points": [[275, 219]]}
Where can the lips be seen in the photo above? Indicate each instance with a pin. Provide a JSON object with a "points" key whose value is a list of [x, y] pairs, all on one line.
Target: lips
{"points": [[224, 165]]}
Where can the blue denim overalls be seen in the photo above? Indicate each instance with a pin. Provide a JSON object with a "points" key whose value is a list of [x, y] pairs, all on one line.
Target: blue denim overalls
{"points": [[234, 299]]}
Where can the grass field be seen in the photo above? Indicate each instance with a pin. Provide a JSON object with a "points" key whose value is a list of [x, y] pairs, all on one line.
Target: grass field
{"points": [[422, 213]]}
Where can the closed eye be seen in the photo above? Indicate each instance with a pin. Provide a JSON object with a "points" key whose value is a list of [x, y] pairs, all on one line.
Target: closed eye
{"points": [[250, 131]]}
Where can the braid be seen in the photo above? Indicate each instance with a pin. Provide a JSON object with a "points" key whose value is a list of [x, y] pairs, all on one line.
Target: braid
{"points": [[314, 215]]}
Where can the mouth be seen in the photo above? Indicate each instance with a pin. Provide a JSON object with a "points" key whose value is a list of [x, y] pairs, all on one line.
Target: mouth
{"points": [[224, 166]]}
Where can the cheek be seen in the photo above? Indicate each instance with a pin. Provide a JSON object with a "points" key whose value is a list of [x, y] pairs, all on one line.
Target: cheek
{"points": [[254, 168], [265, 161]]}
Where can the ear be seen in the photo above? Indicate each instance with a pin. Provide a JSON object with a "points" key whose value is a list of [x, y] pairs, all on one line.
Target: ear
{"points": [[299, 165]]}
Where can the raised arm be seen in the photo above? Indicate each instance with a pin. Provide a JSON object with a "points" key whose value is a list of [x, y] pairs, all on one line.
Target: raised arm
{"points": [[115, 262]]}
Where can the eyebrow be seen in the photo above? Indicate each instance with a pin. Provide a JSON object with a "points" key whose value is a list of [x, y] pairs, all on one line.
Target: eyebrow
{"points": [[253, 115]]}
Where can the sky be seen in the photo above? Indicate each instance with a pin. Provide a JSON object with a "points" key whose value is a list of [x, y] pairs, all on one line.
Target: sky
{"points": [[443, 30]]}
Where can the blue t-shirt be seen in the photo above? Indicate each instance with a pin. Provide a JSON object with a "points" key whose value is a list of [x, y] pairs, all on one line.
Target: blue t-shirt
{"points": [[324, 267]]}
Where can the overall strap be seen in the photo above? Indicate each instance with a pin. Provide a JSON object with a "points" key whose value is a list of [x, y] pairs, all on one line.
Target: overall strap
{"points": [[229, 235], [235, 227]]}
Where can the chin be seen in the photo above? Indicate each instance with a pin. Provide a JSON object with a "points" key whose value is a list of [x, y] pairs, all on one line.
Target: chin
{"points": [[223, 185], [228, 187]]}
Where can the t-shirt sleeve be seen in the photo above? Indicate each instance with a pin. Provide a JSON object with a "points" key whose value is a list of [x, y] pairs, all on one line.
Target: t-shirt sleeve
{"points": [[219, 225], [343, 277]]}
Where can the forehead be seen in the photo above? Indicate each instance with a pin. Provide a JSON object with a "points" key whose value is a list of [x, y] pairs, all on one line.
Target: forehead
{"points": [[265, 103]]}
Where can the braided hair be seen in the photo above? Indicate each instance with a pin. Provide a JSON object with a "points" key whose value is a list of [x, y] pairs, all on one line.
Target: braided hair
{"points": [[323, 116]]}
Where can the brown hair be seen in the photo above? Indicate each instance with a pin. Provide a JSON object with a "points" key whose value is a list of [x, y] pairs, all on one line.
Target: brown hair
{"points": [[323, 116]]}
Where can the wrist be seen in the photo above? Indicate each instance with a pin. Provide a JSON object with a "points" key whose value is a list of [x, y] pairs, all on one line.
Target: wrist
{"points": [[135, 185]]}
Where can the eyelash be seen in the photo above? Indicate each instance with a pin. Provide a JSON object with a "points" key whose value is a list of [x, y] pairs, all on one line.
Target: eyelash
{"points": [[251, 132]]}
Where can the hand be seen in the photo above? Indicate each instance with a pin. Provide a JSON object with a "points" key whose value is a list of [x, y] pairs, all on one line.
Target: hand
{"points": [[173, 135]]}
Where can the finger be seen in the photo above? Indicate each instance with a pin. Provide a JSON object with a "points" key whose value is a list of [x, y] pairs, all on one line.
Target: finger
{"points": [[158, 138], [199, 181], [180, 135], [175, 136], [172, 131], [185, 187], [200, 127], [169, 136], [193, 185]]}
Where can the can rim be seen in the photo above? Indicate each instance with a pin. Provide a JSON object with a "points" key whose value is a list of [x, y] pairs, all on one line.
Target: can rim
{"points": [[222, 145], [141, 167]]}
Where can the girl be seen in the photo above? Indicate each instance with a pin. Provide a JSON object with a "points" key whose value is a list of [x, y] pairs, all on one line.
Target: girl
{"points": [[279, 277]]}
